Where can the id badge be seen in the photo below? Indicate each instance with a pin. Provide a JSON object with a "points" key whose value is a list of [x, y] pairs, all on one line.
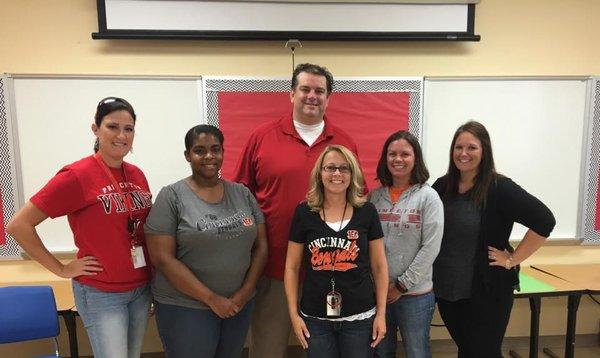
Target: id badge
{"points": [[137, 256], [334, 304]]}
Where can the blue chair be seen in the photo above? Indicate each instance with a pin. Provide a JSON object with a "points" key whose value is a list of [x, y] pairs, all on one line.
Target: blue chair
{"points": [[28, 312]]}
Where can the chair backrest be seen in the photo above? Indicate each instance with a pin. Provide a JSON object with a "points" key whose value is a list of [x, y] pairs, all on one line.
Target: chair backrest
{"points": [[27, 312]]}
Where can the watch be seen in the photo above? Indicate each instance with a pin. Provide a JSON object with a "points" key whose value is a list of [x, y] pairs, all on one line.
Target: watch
{"points": [[508, 264]]}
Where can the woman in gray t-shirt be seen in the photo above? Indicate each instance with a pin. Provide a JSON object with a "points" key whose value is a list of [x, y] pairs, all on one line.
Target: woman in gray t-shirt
{"points": [[207, 240]]}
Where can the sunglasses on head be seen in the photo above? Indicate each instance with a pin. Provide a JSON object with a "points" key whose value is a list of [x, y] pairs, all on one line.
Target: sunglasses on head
{"points": [[108, 100]]}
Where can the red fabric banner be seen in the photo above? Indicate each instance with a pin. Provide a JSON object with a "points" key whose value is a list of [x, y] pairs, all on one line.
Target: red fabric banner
{"points": [[369, 117], [2, 229], [597, 226]]}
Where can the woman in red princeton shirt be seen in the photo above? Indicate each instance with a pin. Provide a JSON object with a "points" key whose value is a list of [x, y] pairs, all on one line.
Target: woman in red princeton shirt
{"points": [[106, 201]]}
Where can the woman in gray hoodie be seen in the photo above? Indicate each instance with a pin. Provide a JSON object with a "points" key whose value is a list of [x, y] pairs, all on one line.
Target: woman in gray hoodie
{"points": [[412, 218]]}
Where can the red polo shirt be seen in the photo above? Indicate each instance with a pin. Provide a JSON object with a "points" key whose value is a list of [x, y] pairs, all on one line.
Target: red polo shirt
{"points": [[275, 165]]}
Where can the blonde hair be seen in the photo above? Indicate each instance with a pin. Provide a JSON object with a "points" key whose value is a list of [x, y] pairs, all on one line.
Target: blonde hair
{"points": [[354, 193]]}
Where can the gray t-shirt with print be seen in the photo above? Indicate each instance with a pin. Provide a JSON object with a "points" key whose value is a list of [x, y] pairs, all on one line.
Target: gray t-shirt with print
{"points": [[213, 240]]}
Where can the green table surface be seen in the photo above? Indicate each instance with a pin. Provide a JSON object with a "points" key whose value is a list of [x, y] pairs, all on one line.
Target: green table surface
{"points": [[532, 285]]}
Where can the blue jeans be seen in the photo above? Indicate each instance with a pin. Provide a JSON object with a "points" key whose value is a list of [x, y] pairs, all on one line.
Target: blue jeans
{"points": [[115, 321], [194, 332], [412, 315], [339, 339]]}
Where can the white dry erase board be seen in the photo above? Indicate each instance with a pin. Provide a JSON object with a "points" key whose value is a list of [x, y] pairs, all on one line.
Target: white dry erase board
{"points": [[53, 115], [537, 129]]}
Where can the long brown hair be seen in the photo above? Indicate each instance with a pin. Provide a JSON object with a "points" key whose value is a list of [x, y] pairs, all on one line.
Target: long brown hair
{"points": [[486, 173]]}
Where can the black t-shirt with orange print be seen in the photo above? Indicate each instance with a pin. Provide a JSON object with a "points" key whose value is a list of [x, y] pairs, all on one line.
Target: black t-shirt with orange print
{"points": [[342, 254]]}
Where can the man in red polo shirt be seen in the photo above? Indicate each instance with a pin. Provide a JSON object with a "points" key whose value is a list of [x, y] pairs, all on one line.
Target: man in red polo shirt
{"points": [[275, 165]]}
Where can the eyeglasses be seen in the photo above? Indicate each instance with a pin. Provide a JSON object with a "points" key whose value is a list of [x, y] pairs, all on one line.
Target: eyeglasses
{"points": [[344, 168]]}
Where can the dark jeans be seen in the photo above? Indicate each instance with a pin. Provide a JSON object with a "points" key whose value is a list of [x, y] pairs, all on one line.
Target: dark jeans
{"points": [[412, 316], [477, 324], [339, 339], [191, 332]]}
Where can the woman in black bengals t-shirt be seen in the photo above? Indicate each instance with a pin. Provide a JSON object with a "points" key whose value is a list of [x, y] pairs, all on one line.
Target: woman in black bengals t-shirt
{"points": [[337, 236]]}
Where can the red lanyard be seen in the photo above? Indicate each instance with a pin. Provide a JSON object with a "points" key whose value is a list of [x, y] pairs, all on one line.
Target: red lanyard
{"points": [[131, 224]]}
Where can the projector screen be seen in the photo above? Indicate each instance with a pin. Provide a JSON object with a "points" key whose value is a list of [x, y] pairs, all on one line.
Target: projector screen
{"points": [[283, 20]]}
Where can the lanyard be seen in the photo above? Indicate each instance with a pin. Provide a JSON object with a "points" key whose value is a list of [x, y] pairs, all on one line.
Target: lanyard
{"points": [[341, 225], [333, 300], [131, 222]]}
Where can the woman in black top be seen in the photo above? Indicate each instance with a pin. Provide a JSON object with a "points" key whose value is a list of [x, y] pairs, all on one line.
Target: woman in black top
{"points": [[337, 236], [475, 272]]}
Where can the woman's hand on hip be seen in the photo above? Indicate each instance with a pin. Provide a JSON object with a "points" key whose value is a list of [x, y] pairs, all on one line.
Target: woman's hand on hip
{"points": [[85, 266], [500, 258]]}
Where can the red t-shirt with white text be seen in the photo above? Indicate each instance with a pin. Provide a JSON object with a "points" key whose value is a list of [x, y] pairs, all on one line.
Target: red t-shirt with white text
{"points": [[98, 218]]}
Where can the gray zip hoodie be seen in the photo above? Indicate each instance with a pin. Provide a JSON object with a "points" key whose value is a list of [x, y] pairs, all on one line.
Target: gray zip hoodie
{"points": [[412, 231]]}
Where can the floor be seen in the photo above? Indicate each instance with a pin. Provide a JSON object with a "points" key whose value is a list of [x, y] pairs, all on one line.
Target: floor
{"points": [[580, 352]]}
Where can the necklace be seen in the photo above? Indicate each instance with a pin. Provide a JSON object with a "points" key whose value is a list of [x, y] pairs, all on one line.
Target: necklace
{"points": [[343, 215]]}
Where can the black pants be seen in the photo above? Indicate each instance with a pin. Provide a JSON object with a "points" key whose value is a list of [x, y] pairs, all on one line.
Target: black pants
{"points": [[477, 324]]}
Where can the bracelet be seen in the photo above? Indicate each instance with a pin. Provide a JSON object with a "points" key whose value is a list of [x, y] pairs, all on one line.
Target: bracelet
{"points": [[508, 264]]}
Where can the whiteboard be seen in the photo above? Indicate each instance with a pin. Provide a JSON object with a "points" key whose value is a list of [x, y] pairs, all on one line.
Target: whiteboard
{"points": [[53, 117], [536, 126]]}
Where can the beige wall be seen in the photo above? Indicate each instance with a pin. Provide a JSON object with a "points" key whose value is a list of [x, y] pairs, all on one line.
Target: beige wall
{"points": [[519, 37]]}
